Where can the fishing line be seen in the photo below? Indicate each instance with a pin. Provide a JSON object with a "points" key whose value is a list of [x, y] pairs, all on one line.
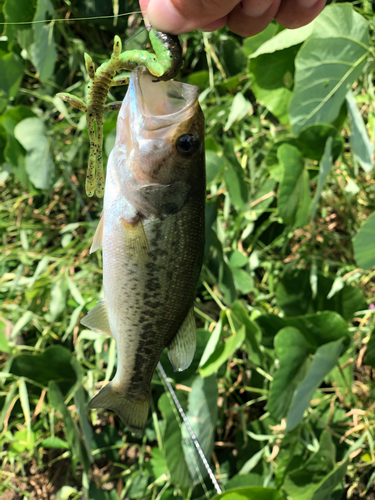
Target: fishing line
{"points": [[190, 430], [160, 367], [59, 20]]}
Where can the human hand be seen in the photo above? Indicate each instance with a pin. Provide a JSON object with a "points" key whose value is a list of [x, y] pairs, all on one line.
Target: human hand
{"points": [[245, 18]]}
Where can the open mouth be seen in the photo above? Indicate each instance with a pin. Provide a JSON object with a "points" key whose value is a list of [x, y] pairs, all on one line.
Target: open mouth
{"points": [[163, 99]]}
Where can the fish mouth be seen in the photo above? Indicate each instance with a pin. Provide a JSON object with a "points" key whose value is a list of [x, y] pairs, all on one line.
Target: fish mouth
{"points": [[163, 103]]}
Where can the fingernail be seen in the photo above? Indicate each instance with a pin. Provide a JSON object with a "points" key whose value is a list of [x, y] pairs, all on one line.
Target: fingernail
{"points": [[307, 4], [255, 8], [164, 17]]}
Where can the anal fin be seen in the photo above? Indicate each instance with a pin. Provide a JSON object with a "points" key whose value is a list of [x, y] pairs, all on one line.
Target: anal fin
{"points": [[136, 244], [182, 348], [97, 319], [98, 236]]}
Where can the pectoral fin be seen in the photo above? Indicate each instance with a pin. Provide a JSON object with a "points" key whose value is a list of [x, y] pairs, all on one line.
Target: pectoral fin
{"points": [[182, 348], [97, 319], [98, 236], [136, 244]]}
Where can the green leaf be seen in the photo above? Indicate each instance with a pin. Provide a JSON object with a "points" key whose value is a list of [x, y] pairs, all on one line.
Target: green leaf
{"points": [[251, 493], [284, 40], [18, 12], [272, 81], [43, 49], [292, 351], [295, 297], [215, 165], [317, 329], [11, 74], [55, 442], [294, 191], [235, 178], [22, 442], [364, 244], [239, 109], [174, 453], [4, 347], [202, 415], [222, 353], [327, 65], [39, 163], [243, 280], [253, 334], [25, 404], [238, 259], [251, 44], [359, 139], [324, 360], [53, 364]]}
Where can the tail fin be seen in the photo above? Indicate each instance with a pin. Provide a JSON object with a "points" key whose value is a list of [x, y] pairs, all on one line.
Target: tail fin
{"points": [[133, 412]]}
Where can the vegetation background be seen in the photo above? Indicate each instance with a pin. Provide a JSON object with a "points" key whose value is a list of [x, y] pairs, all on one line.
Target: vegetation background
{"points": [[281, 391]]}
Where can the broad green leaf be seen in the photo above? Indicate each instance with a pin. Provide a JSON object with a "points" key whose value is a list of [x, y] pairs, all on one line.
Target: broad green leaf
{"points": [[43, 49], [251, 493], [215, 165], [292, 351], [284, 40], [324, 169], [317, 329], [235, 178], [242, 480], [202, 414], [364, 244], [294, 295], [324, 360], [312, 141], [359, 139], [40, 167], [172, 441], [239, 109], [234, 58], [243, 280], [302, 482], [222, 353], [22, 442], [252, 43], [18, 12], [66, 492], [53, 364], [370, 352], [294, 191], [238, 259], [327, 66], [272, 81], [11, 73]]}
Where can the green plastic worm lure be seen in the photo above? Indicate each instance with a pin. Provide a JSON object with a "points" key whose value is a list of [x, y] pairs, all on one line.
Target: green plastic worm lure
{"points": [[164, 64]]}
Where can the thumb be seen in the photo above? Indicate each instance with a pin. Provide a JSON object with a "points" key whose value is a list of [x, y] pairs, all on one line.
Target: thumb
{"points": [[178, 16]]}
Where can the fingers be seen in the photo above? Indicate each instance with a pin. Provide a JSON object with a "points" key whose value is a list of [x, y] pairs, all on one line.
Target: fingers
{"points": [[245, 18], [249, 18], [296, 13], [179, 16]]}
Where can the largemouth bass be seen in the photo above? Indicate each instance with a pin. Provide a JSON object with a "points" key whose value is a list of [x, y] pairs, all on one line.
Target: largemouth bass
{"points": [[152, 236]]}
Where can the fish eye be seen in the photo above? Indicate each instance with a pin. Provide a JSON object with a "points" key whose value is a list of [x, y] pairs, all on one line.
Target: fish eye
{"points": [[187, 144]]}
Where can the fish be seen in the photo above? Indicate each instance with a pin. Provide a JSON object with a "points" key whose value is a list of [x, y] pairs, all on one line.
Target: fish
{"points": [[152, 237]]}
